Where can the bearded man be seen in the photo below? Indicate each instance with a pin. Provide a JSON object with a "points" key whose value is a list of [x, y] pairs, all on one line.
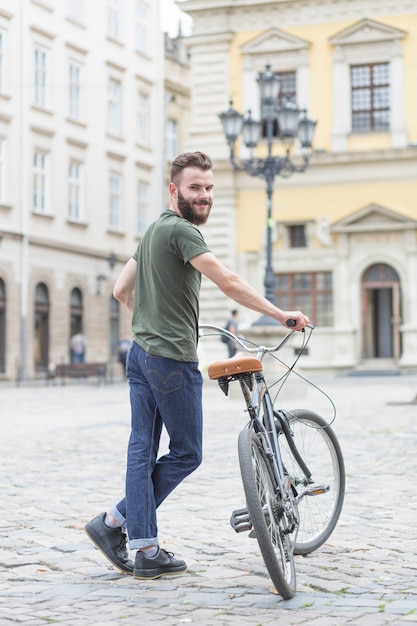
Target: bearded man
{"points": [[160, 284]]}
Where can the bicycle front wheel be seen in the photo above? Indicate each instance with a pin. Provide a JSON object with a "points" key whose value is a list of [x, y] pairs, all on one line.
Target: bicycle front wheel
{"points": [[266, 513], [318, 446]]}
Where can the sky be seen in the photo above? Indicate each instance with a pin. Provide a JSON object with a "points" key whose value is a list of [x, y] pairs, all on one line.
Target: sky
{"points": [[170, 15]]}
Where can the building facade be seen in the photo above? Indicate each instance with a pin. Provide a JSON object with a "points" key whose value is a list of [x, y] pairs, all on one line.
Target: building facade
{"points": [[176, 102], [345, 247], [81, 170]]}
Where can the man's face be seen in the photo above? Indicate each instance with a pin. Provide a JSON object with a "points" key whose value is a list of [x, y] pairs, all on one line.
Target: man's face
{"points": [[194, 195]]}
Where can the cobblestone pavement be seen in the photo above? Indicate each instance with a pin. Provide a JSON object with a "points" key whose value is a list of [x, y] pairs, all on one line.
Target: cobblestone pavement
{"points": [[62, 458]]}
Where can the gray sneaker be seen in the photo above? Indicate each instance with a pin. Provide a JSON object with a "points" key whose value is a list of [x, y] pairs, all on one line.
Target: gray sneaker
{"points": [[163, 563], [111, 542]]}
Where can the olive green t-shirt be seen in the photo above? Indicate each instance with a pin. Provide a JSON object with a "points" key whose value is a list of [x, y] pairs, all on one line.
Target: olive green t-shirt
{"points": [[167, 288]]}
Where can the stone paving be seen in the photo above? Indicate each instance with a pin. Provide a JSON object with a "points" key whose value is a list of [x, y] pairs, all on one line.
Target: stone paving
{"points": [[62, 458]]}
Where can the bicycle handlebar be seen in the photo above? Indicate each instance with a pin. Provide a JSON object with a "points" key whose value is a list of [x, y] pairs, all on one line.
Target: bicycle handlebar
{"points": [[290, 323], [256, 349]]}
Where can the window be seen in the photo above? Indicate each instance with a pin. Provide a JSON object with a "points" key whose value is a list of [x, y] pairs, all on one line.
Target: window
{"points": [[41, 327], [115, 200], [288, 88], [370, 97], [143, 119], [2, 61], [2, 327], [113, 18], [75, 9], [40, 77], [287, 93], [310, 292], [74, 90], [297, 236], [40, 182], [289, 57], [369, 83], [3, 172], [115, 107], [172, 140], [76, 312], [142, 27], [380, 275], [75, 191], [143, 199]]}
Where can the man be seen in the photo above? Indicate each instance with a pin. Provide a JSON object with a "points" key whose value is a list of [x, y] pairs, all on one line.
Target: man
{"points": [[123, 348], [78, 344], [231, 325], [161, 285]]}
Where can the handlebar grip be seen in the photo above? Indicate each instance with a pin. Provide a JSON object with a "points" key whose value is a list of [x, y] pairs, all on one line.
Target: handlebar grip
{"points": [[290, 323]]}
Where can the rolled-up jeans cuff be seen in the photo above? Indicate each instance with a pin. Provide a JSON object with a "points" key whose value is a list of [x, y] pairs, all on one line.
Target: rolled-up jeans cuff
{"points": [[138, 544]]}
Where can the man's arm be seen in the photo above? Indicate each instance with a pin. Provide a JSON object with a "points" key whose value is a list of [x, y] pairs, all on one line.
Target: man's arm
{"points": [[124, 287], [241, 291]]}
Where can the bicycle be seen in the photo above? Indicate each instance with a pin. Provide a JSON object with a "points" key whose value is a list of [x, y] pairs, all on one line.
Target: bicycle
{"points": [[291, 466]]}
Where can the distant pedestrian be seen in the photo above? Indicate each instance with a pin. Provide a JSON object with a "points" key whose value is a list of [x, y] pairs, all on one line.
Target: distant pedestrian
{"points": [[123, 350], [78, 345], [231, 326]]}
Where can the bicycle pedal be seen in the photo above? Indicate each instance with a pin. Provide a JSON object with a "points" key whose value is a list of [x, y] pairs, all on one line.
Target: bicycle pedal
{"points": [[317, 490], [240, 521]]}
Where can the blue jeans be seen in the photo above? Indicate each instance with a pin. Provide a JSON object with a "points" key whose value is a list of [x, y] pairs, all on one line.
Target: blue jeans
{"points": [[78, 357], [162, 392]]}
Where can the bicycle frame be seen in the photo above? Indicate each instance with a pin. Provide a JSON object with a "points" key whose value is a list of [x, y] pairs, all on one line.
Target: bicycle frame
{"points": [[254, 399], [269, 438]]}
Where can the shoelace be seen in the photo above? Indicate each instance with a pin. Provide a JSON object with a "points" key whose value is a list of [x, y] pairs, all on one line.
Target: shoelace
{"points": [[122, 543]]}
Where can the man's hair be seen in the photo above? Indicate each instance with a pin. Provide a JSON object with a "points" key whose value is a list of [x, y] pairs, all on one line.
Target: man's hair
{"points": [[189, 159]]}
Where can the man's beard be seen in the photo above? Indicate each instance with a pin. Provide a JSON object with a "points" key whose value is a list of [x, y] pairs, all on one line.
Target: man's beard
{"points": [[185, 207]]}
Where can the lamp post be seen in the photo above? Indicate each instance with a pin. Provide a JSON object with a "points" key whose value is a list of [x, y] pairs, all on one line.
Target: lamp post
{"points": [[279, 123]]}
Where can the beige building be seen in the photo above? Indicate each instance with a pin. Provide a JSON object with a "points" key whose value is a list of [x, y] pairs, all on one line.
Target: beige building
{"points": [[345, 230], [176, 101], [81, 170]]}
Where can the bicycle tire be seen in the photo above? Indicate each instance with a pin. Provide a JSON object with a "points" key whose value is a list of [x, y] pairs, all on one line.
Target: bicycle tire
{"points": [[258, 484], [318, 446]]}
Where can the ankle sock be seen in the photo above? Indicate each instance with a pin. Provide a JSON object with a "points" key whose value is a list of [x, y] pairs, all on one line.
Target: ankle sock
{"points": [[109, 523], [151, 554]]}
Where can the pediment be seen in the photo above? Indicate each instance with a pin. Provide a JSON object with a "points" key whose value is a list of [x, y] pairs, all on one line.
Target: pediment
{"points": [[274, 40], [373, 218], [366, 31]]}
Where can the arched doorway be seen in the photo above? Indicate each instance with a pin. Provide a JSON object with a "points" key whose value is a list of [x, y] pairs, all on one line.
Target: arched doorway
{"points": [[381, 312], [76, 312], [76, 326], [41, 327]]}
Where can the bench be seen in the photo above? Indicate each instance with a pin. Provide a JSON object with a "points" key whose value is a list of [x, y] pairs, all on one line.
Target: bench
{"points": [[78, 370]]}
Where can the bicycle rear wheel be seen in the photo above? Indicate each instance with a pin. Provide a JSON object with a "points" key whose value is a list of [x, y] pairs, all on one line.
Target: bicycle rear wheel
{"points": [[266, 514], [318, 446]]}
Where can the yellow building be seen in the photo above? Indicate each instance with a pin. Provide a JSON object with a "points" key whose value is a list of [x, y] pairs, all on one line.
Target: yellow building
{"points": [[344, 231]]}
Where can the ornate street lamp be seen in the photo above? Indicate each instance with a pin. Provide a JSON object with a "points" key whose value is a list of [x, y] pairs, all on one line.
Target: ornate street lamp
{"points": [[282, 124]]}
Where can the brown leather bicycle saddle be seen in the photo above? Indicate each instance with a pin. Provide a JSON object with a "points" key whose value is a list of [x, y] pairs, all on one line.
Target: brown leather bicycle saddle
{"points": [[240, 364]]}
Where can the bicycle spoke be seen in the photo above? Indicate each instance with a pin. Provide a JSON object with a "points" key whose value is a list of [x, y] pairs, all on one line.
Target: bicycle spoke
{"points": [[320, 450]]}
